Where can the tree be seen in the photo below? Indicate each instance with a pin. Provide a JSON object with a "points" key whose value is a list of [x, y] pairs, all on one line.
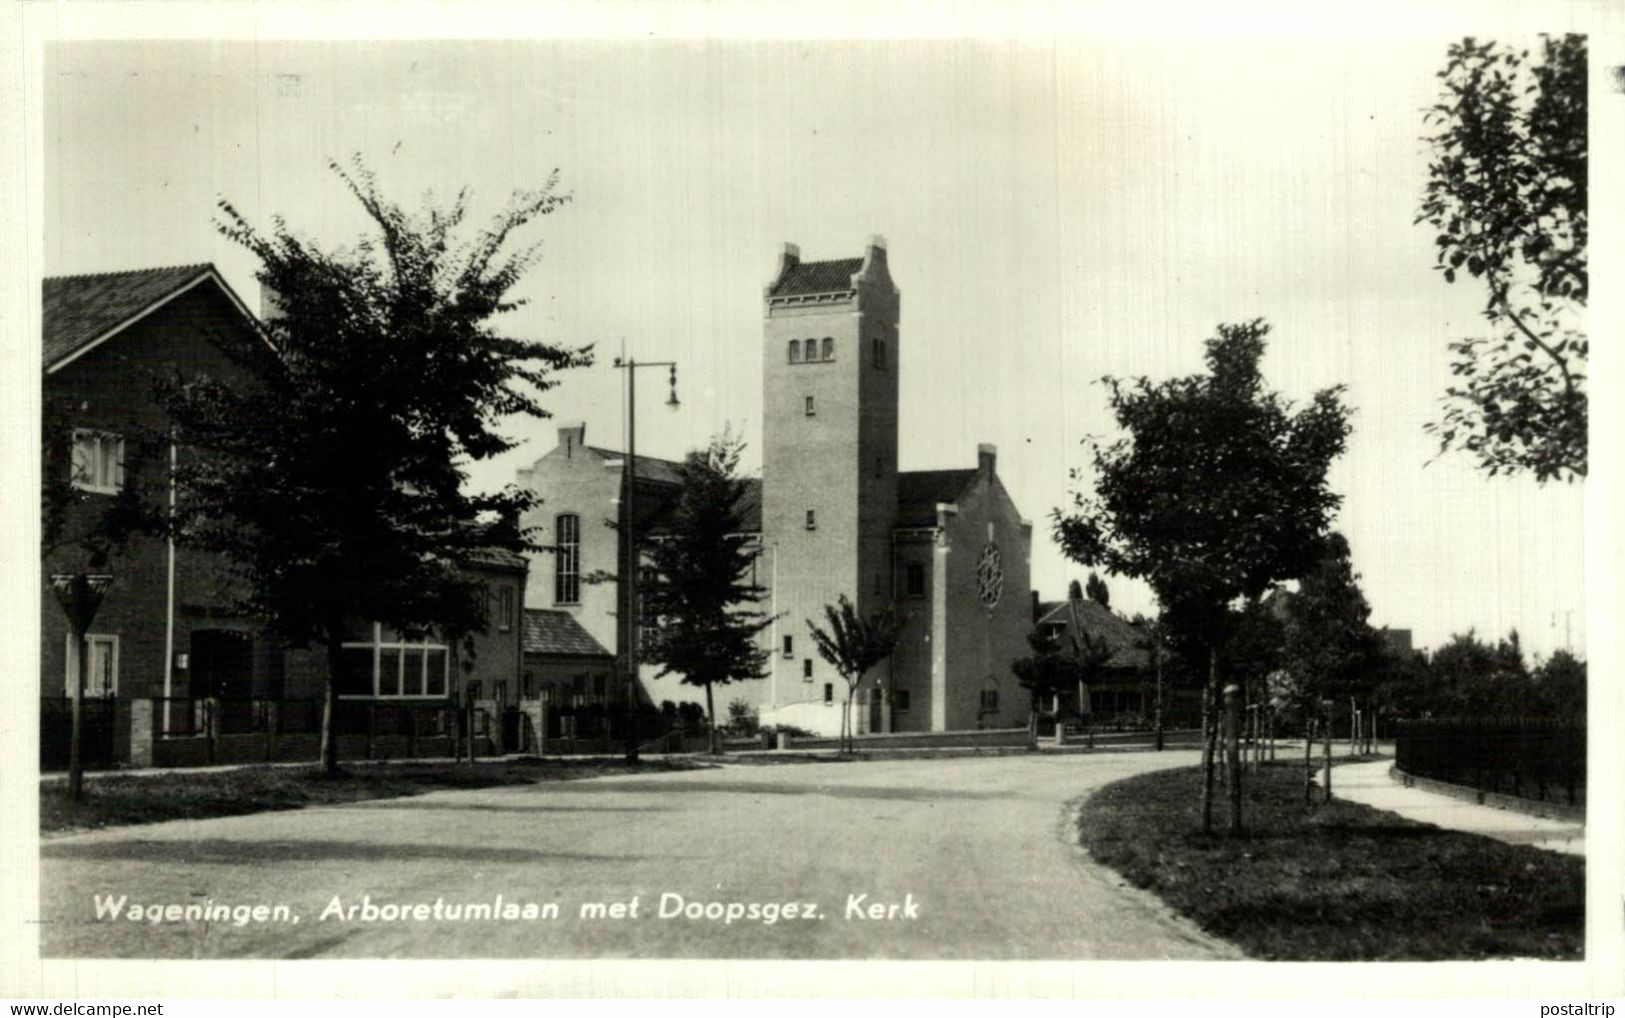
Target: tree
{"points": [[1216, 492], [1560, 686], [1507, 192], [333, 480], [1330, 650], [701, 593], [1074, 591], [1097, 591], [852, 645], [1043, 673]]}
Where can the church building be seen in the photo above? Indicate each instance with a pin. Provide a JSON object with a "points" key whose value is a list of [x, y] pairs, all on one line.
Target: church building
{"points": [[831, 515]]}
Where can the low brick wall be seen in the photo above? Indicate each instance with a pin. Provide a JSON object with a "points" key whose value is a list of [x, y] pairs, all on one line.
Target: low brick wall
{"points": [[994, 737]]}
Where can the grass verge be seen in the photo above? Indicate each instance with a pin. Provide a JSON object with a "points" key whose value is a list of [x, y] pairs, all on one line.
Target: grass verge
{"points": [[118, 800], [1338, 881]]}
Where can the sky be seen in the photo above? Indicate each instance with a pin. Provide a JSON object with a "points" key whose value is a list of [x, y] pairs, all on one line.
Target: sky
{"points": [[1055, 211]]}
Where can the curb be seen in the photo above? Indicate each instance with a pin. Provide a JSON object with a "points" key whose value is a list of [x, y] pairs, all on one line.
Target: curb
{"points": [[1499, 800]]}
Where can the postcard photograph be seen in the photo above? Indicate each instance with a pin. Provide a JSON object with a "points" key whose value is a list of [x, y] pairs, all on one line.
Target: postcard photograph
{"points": [[1038, 499]]}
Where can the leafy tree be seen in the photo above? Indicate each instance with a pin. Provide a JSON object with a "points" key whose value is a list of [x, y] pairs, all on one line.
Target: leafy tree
{"points": [[1097, 591], [334, 480], [1045, 672], [1216, 492], [1330, 651], [1074, 591], [1507, 192], [1560, 686], [852, 645], [702, 593]]}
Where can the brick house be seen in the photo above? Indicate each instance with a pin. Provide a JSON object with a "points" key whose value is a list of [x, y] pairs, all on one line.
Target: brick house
{"points": [[165, 639]]}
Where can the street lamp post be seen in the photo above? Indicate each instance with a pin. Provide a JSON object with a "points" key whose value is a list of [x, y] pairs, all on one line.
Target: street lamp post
{"points": [[629, 527], [80, 594]]}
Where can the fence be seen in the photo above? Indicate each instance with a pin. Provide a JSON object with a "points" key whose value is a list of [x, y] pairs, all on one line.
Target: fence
{"points": [[197, 731], [1524, 757]]}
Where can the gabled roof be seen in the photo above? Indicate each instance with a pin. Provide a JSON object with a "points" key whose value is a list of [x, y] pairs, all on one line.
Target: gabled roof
{"points": [[79, 312], [1101, 623], [549, 631], [919, 491], [499, 557], [649, 468], [748, 509], [817, 277]]}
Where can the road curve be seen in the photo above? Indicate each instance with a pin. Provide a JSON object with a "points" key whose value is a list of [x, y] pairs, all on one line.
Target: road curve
{"points": [[978, 855]]}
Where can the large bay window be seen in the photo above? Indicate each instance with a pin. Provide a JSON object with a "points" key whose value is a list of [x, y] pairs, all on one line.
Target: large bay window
{"points": [[401, 668]]}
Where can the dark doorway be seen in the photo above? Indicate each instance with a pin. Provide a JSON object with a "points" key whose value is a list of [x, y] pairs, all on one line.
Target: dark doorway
{"points": [[222, 664]]}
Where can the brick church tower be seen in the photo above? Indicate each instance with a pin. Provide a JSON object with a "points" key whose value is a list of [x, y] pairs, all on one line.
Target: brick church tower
{"points": [[829, 451]]}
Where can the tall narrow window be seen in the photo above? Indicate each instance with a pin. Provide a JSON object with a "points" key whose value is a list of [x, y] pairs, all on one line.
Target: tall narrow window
{"points": [[879, 462], [877, 347], [567, 559], [812, 410], [98, 461], [795, 351], [806, 669], [829, 348], [789, 646], [812, 519], [505, 609], [829, 692]]}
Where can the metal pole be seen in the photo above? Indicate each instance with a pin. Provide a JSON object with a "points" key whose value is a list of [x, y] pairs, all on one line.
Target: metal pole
{"points": [[76, 770]]}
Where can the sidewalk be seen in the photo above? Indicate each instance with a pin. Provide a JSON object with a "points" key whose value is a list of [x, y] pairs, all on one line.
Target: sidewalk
{"points": [[1371, 783]]}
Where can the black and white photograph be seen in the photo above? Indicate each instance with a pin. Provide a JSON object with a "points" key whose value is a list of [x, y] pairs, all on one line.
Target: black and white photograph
{"points": [[1110, 489]]}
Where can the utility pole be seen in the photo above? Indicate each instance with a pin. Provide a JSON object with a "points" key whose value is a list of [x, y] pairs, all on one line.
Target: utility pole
{"points": [[629, 527]]}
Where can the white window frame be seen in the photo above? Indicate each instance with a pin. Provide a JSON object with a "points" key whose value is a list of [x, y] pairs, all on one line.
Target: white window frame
{"points": [[399, 647], [87, 469], [72, 670], [567, 563]]}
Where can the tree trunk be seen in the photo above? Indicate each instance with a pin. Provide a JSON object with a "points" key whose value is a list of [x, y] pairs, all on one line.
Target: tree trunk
{"points": [[1209, 738], [711, 723], [1032, 722], [1308, 761], [1232, 704], [1159, 694], [1326, 782], [330, 749]]}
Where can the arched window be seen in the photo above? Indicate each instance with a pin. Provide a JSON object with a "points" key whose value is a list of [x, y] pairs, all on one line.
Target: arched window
{"points": [[829, 348], [795, 351]]}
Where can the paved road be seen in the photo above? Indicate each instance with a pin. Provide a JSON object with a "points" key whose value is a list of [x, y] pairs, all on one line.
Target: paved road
{"points": [[977, 854]]}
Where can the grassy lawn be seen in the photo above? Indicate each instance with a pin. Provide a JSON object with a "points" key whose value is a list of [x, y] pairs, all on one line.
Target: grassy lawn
{"points": [[1338, 882], [115, 800]]}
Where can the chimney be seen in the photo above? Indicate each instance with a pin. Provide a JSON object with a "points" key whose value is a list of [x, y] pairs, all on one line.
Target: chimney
{"points": [[987, 455], [572, 438], [789, 259]]}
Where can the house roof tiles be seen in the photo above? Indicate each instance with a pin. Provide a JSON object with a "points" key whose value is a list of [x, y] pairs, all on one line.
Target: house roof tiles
{"points": [[550, 631], [80, 309], [817, 277], [919, 491]]}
